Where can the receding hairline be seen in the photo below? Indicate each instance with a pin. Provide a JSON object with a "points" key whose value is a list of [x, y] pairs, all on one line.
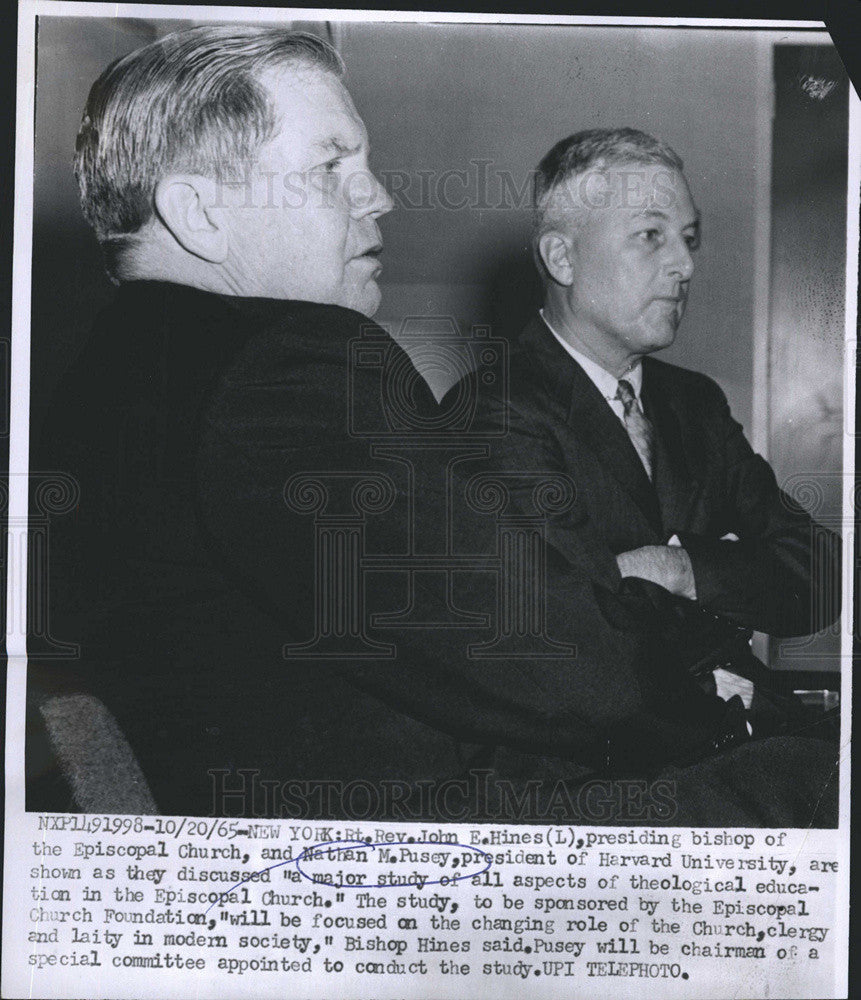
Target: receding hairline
{"points": [[594, 152], [605, 171], [214, 77], [296, 73], [569, 211], [335, 141], [661, 214]]}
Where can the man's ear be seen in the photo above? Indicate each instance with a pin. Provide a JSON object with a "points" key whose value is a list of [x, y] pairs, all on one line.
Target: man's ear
{"points": [[187, 205], [555, 250]]}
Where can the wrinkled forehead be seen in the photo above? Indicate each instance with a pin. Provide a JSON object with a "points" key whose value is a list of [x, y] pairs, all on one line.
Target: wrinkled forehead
{"points": [[629, 188], [314, 112]]}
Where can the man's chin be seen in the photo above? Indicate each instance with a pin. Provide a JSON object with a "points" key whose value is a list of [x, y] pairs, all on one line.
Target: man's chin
{"points": [[655, 341], [365, 300], [368, 300], [657, 330], [663, 335]]}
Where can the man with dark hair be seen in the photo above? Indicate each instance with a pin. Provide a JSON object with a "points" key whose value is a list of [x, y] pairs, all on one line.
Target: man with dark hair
{"points": [[678, 541]]}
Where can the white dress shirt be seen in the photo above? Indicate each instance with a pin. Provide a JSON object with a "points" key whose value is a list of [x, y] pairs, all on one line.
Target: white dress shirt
{"points": [[606, 384]]}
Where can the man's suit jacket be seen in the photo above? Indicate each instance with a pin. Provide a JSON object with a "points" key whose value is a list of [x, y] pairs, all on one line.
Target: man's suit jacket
{"points": [[636, 643], [183, 572]]}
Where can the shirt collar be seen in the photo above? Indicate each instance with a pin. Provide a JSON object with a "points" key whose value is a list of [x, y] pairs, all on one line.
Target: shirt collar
{"points": [[606, 383]]}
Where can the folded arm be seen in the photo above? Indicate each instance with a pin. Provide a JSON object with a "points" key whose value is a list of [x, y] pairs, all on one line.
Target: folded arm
{"points": [[782, 576]]}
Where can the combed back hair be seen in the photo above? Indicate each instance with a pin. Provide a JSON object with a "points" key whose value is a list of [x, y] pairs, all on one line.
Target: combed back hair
{"points": [[594, 150], [191, 101]]}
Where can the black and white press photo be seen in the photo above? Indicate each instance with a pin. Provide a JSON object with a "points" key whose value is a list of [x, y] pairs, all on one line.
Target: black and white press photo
{"points": [[431, 479]]}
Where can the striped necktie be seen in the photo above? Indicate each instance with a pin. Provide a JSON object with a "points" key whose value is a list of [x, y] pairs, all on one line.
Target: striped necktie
{"points": [[639, 429]]}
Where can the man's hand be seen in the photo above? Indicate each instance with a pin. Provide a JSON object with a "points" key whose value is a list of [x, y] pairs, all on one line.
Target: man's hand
{"points": [[669, 566], [728, 684]]}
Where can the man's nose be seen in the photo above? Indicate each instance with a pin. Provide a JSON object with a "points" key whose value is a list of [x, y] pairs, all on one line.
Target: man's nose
{"points": [[369, 197], [680, 263]]}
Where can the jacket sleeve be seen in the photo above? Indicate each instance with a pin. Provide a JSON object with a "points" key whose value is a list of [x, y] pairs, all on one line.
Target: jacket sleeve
{"points": [[782, 576]]}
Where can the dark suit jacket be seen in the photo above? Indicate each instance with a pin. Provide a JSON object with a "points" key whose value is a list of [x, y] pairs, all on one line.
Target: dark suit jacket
{"points": [[637, 645], [182, 572], [707, 482]]}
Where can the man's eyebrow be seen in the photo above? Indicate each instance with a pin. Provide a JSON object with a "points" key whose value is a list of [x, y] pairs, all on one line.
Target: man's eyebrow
{"points": [[656, 213], [335, 145]]}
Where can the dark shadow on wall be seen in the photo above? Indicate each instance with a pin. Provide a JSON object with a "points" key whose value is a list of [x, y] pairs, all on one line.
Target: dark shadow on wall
{"points": [[513, 293], [69, 285]]}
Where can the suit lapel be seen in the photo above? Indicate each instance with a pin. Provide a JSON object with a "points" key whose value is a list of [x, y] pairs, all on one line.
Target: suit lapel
{"points": [[590, 420], [594, 423], [672, 475]]}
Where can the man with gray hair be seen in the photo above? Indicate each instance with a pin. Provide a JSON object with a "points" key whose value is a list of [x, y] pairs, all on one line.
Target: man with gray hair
{"points": [[216, 424], [232, 159], [678, 542], [224, 170]]}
